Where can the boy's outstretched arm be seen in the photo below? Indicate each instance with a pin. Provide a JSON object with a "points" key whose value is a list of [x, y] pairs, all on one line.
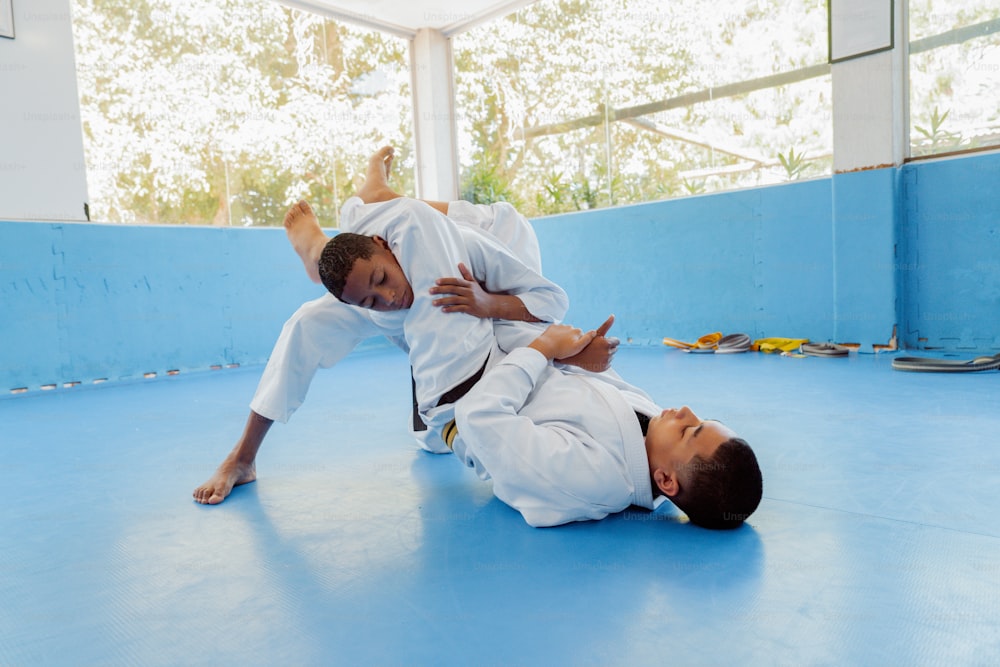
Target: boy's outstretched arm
{"points": [[239, 466]]}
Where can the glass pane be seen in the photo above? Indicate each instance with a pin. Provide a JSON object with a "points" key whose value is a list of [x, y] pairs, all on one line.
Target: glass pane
{"points": [[565, 105], [227, 111], [762, 137], [954, 70]]}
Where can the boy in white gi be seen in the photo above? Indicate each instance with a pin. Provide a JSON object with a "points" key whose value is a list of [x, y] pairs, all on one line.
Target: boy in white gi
{"points": [[424, 245], [563, 445]]}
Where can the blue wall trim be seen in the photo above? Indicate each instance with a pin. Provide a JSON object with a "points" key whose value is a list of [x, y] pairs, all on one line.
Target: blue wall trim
{"points": [[844, 259]]}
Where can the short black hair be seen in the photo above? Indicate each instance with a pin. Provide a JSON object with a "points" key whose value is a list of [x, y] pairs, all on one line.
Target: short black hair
{"points": [[338, 258], [721, 491]]}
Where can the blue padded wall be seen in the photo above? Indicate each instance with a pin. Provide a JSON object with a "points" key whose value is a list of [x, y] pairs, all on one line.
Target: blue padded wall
{"points": [[85, 302], [757, 261], [31, 311], [865, 221], [950, 261], [841, 259]]}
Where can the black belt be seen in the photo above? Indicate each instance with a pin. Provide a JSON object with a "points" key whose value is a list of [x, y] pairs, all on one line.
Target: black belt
{"points": [[450, 430], [453, 395]]}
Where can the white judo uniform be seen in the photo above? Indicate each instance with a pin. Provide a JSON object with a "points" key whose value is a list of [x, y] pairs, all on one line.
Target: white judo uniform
{"points": [[560, 444], [444, 348]]}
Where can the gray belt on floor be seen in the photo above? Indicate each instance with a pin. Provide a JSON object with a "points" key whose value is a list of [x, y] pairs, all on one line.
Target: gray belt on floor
{"points": [[824, 350], [930, 365]]}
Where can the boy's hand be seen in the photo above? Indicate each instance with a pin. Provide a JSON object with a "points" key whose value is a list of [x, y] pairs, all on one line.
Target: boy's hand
{"points": [[465, 295], [561, 340], [597, 355]]}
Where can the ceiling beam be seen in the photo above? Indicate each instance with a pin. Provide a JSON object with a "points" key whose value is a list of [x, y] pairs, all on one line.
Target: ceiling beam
{"points": [[363, 20]]}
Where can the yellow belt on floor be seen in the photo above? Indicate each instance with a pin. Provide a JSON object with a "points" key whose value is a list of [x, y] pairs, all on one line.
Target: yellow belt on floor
{"points": [[779, 345]]}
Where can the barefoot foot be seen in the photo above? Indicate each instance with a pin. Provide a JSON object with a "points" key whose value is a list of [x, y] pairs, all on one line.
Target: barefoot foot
{"points": [[306, 237], [376, 185], [380, 164], [221, 484]]}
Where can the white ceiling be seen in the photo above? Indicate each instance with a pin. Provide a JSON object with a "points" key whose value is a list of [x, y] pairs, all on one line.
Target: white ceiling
{"points": [[405, 17]]}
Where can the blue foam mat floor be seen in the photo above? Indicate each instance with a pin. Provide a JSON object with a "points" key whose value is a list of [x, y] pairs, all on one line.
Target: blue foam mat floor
{"points": [[877, 542]]}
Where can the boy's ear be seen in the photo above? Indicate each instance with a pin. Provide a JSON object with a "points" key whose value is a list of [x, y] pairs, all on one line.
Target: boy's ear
{"points": [[381, 242], [666, 482]]}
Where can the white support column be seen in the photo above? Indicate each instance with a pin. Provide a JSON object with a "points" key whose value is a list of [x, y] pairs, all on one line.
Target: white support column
{"points": [[869, 105], [869, 144], [431, 66]]}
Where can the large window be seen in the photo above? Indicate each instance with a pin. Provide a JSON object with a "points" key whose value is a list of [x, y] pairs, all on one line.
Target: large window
{"points": [[226, 111], [574, 105], [954, 75]]}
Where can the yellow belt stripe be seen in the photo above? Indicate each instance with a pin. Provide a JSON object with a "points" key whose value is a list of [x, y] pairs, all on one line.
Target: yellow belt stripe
{"points": [[449, 432]]}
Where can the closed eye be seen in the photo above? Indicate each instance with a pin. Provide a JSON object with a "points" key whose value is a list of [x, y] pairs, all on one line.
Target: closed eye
{"points": [[370, 301]]}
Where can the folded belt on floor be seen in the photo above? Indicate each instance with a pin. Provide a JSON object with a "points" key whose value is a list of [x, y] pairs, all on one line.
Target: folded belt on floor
{"points": [[778, 344], [824, 350], [931, 365], [713, 342]]}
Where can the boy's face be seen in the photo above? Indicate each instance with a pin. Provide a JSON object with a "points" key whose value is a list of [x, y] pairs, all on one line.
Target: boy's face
{"points": [[674, 438], [378, 283]]}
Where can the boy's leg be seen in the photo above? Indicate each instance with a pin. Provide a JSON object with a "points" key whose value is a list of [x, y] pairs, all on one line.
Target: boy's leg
{"points": [[306, 237], [318, 335], [504, 223], [375, 188], [237, 468], [303, 228], [376, 185]]}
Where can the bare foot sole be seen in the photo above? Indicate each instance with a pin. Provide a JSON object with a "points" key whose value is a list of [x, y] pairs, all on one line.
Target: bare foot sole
{"points": [[376, 185], [221, 484], [306, 237]]}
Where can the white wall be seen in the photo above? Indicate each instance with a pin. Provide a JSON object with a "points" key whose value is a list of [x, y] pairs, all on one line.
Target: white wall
{"points": [[42, 175]]}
